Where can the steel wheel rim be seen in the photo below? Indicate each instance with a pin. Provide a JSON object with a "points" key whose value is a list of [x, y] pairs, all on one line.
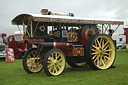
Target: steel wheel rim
{"points": [[103, 52], [56, 63], [34, 62]]}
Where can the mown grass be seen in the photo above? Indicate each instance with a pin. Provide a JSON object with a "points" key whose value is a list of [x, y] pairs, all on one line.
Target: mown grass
{"points": [[14, 74]]}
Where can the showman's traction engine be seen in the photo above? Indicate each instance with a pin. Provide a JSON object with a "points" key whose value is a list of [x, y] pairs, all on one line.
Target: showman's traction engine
{"points": [[61, 38]]}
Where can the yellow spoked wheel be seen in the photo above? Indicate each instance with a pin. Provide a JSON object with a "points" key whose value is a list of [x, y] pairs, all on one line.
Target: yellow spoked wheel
{"points": [[54, 62], [100, 52], [32, 61]]}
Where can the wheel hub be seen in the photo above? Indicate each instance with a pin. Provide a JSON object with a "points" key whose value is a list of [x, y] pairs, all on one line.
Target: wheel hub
{"points": [[55, 62], [101, 51]]}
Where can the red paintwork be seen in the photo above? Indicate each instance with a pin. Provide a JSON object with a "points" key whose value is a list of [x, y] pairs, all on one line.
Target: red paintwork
{"points": [[36, 40], [68, 52], [20, 45], [64, 47], [126, 33], [61, 46], [9, 55], [86, 31]]}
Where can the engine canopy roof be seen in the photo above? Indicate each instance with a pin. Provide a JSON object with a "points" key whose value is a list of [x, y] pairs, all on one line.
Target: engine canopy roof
{"points": [[62, 19]]}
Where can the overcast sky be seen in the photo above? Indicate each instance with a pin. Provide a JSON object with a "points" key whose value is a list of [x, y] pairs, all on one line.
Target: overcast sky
{"points": [[113, 9]]}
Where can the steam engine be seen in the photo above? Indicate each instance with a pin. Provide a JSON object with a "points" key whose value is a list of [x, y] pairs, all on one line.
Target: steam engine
{"points": [[70, 39]]}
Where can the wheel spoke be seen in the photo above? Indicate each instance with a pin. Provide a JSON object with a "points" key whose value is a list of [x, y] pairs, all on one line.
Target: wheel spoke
{"points": [[58, 66], [104, 59], [102, 43], [32, 67], [98, 62], [59, 60], [98, 42], [37, 66], [107, 54], [57, 56], [34, 55], [50, 68], [95, 53], [109, 50], [105, 44], [93, 50], [55, 70], [51, 58], [108, 58], [96, 58], [101, 40], [94, 46], [49, 62], [106, 47], [50, 65], [103, 62]]}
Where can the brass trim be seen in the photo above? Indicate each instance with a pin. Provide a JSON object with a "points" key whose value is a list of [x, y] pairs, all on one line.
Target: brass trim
{"points": [[67, 45], [27, 32], [20, 30], [70, 39], [31, 29], [59, 26], [77, 45], [36, 28], [86, 32], [54, 43], [23, 27]]}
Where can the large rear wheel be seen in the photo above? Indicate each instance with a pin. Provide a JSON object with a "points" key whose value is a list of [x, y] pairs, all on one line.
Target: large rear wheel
{"points": [[100, 51], [54, 62], [32, 61]]}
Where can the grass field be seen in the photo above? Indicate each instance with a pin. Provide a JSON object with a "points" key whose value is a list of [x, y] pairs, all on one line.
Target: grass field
{"points": [[14, 74]]}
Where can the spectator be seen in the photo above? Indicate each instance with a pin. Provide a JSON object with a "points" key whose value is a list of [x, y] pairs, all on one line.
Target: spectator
{"points": [[5, 40]]}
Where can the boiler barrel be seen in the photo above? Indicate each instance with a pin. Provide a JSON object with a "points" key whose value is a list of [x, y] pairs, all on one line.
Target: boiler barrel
{"points": [[59, 45]]}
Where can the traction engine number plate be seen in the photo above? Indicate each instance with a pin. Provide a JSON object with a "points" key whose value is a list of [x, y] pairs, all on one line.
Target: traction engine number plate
{"points": [[78, 51]]}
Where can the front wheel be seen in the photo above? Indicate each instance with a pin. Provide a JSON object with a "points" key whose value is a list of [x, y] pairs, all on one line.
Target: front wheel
{"points": [[100, 51], [54, 62], [32, 61]]}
